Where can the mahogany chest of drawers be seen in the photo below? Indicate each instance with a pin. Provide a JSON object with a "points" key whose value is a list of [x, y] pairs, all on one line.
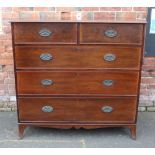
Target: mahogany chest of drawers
{"points": [[77, 74]]}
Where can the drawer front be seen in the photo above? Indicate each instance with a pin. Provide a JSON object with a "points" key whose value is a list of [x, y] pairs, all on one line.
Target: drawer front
{"points": [[77, 57], [111, 33], [84, 82], [107, 110], [45, 33]]}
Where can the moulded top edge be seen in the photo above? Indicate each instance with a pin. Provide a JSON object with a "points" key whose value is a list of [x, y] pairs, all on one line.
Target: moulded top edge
{"points": [[80, 21]]}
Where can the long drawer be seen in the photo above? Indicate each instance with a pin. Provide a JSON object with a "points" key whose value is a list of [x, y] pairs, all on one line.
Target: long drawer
{"points": [[77, 82], [93, 33], [42, 33], [114, 109], [50, 57]]}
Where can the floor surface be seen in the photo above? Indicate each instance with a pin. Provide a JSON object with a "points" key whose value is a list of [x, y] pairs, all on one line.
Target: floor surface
{"points": [[77, 138]]}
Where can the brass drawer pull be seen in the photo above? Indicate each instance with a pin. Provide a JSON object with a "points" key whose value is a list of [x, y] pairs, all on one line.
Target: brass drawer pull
{"points": [[111, 33], [47, 82], [46, 57], [47, 109], [107, 109], [45, 32], [109, 57], [108, 82]]}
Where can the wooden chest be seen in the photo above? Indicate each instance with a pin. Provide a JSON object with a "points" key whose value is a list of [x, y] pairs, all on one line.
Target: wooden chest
{"points": [[77, 74]]}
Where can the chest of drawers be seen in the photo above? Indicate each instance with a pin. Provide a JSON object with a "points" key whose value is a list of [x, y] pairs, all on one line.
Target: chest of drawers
{"points": [[77, 74]]}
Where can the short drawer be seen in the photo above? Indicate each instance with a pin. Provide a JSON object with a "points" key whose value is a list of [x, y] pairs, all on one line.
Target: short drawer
{"points": [[42, 33], [106, 110], [50, 57], [77, 82], [111, 33]]}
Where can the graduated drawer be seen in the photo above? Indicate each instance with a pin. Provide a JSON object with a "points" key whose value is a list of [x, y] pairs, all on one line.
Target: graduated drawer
{"points": [[42, 33], [77, 57], [114, 109], [111, 33], [77, 82]]}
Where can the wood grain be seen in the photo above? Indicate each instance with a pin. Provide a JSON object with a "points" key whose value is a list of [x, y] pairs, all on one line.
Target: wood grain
{"points": [[78, 71], [72, 57], [84, 82], [78, 109], [61, 33], [94, 33]]}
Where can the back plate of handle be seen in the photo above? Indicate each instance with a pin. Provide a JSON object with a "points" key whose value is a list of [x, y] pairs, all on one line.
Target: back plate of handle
{"points": [[46, 82], [47, 109], [108, 82], [110, 33], [107, 109], [45, 32], [46, 57], [109, 57]]}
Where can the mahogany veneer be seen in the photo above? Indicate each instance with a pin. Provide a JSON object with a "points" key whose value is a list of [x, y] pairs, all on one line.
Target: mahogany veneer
{"points": [[77, 82], [86, 57], [79, 109], [61, 33], [94, 33], [77, 74]]}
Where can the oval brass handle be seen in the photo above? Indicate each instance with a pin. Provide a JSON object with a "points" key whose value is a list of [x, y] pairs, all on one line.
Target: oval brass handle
{"points": [[45, 32], [109, 57], [111, 33], [47, 82], [108, 82], [47, 109], [46, 57], [107, 109]]}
